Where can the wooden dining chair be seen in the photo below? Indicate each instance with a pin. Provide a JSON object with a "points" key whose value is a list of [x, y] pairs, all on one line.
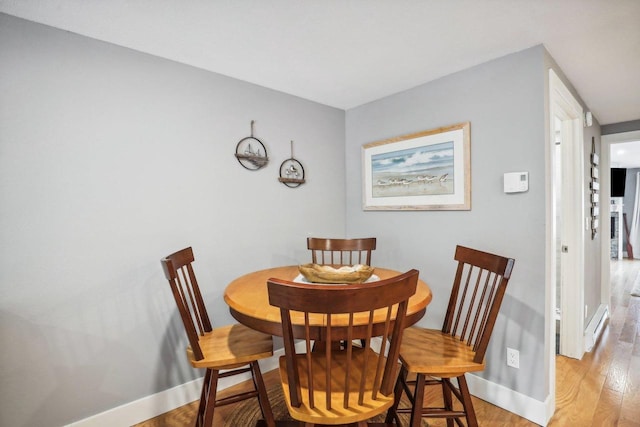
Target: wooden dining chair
{"points": [[434, 357], [235, 349], [328, 385], [341, 251], [326, 251]]}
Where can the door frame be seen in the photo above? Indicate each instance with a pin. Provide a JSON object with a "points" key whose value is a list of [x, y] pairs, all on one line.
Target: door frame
{"points": [[607, 141], [562, 104]]}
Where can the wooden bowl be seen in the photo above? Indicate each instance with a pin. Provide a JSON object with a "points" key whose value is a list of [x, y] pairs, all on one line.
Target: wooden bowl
{"points": [[327, 274]]}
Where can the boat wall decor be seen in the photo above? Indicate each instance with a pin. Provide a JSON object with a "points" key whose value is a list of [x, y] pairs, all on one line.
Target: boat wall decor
{"points": [[291, 171], [251, 152]]}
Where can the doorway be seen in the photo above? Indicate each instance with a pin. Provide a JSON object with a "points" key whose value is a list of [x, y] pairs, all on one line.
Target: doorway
{"points": [[568, 219], [610, 143], [565, 231], [557, 201]]}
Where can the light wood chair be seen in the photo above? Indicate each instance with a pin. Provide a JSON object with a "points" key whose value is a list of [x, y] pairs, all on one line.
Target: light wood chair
{"points": [[341, 251], [235, 349], [437, 356], [331, 386]]}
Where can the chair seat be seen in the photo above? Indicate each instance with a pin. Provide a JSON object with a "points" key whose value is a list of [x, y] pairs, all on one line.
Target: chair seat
{"points": [[432, 352], [337, 414], [230, 346]]}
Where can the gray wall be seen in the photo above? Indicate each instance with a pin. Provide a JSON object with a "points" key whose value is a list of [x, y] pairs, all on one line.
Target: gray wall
{"points": [[109, 160], [505, 102], [621, 127], [592, 252]]}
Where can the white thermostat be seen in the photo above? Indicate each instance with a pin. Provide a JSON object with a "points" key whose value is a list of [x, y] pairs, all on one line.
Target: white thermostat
{"points": [[516, 182]]}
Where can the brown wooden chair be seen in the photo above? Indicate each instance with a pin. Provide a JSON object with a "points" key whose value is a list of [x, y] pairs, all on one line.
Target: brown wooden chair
{"points": [[437, 356], [328, 385], [341, 251], [326, 251], [235, 349]]}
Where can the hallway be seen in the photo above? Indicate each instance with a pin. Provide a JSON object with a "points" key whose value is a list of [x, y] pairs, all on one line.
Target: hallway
{"points": [[603, 389]]}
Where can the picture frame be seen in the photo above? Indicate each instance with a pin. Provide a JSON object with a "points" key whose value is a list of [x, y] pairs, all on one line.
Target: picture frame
{"points": [[427, 170]]}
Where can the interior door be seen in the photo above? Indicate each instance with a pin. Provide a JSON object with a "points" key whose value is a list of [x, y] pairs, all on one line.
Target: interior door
{"points": [[569, 240], [557, 202]]}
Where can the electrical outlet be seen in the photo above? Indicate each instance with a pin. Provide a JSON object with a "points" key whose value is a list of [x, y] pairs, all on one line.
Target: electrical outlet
{"points": [[513, 358]]}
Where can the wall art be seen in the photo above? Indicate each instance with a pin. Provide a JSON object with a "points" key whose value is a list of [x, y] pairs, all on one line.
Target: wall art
{"points": [[428, 170]]}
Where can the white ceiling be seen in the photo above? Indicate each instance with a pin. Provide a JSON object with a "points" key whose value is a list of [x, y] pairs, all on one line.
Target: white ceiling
{"points": [[345, 53], [625, 155]]}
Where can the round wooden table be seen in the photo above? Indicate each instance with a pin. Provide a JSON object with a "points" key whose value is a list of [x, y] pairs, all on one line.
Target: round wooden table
{"points": [[248, 299]]}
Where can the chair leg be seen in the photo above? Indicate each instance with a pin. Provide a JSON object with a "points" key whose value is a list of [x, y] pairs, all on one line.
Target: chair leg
{"points": [[203, 400], [207, 399], [466, 402], [263, 400], [418, 401], [392, 414], [447, 398]]}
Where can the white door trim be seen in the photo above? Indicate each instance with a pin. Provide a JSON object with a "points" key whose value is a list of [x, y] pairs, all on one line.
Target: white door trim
{"points": [[563, 105]]}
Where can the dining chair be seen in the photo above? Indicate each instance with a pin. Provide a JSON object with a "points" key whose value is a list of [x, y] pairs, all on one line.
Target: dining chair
{"points": [[332, 386], [341, 251], [328, 251], [435, 357], [235, 348]]}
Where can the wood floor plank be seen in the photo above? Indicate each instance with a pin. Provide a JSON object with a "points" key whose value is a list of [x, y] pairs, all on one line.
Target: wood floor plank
{"points": [[630, 409], [617, 375], [607, 412]]}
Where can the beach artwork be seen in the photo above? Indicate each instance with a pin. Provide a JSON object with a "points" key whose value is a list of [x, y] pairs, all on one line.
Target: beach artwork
{"points": [[426, 170]]}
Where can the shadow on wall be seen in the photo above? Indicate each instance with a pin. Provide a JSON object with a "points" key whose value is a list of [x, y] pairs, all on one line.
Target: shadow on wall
{"points": [[48, 373], [26, 379], [530, 324], [105, 346], [173, 367]]}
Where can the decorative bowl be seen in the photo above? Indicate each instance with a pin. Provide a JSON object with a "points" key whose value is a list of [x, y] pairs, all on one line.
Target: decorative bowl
{"points": [[328, 274]]}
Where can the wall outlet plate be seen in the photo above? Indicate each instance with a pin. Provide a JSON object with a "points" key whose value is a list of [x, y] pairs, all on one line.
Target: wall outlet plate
{"points": [[513, 358]]}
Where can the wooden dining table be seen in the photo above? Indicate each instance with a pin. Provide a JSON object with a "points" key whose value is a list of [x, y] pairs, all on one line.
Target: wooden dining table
{"points": [[248, 300]]}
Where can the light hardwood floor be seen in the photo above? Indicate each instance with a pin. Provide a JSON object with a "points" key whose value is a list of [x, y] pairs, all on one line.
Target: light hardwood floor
{"points": [[602, 389]]}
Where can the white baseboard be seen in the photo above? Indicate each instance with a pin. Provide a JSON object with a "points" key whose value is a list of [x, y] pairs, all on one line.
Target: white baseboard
{"points": [[167, 400], [510, 400], [595, 327]]}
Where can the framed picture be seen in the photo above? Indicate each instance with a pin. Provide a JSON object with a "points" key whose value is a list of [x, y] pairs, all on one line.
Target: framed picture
{"points": [[428, 170]]}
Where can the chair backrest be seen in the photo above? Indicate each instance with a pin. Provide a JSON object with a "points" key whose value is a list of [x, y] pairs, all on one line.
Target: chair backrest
{"points": [[479, 286], [179, 272], [341, 251], [357, 311]]}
